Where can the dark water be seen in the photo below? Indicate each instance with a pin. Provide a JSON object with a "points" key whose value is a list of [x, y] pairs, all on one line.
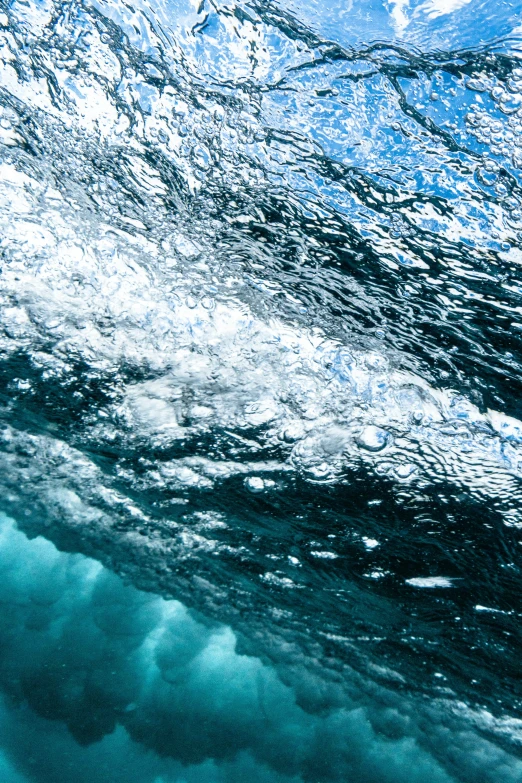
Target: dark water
{"points": [[260, 383]]}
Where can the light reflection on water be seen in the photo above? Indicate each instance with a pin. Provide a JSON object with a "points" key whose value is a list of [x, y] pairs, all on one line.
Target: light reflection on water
{"points": [[260, 343]]}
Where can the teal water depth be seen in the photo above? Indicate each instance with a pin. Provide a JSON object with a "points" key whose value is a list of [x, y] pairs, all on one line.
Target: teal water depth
{"points": [[260, 384]]}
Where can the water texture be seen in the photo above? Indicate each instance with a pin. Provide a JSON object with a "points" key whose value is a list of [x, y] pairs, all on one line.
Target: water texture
{"points": [[260, 361]]}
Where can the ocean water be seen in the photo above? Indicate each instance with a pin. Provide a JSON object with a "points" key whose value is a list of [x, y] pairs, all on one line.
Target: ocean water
{"points": [[260, 383]]}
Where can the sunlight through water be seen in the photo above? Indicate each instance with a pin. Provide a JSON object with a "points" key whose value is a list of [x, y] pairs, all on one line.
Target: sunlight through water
{"points": [[260, 383]]}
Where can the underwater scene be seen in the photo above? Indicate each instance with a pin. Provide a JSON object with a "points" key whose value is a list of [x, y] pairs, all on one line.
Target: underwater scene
{"points": [[261, 391]]}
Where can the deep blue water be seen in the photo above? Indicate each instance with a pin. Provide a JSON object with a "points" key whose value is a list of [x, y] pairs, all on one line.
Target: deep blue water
{"points": [[260, 383]]}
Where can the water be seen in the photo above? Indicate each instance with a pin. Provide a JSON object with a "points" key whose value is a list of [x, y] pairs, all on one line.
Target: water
{"points": [[261, 439]]}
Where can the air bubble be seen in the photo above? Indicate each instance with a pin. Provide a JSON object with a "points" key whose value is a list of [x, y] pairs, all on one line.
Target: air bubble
{"points": [[405, 471], [373, 438], [255, 484]]}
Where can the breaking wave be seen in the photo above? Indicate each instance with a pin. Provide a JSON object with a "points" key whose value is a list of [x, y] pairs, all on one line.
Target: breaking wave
{"points": [[260, 346]]}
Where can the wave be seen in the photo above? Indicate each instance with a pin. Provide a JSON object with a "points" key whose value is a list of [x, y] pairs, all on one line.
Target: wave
{"points": [[261, 324]]}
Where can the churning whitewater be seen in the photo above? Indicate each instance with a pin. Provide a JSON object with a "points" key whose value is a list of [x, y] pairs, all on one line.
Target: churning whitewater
{"points": [[260, 382]]}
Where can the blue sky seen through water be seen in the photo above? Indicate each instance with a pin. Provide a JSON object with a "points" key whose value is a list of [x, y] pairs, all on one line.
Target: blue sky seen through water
{"points": [[260, 382]]}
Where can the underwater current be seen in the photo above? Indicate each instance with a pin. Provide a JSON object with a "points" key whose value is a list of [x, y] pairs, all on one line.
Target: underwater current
{"points": [[261, 391]]}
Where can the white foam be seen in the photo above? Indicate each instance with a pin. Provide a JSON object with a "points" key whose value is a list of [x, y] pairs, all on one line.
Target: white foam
{"points": [[430, 581], [116, 300]]}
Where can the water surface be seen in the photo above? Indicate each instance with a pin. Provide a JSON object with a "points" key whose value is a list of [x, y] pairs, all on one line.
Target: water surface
{"points": [[260, 373]]}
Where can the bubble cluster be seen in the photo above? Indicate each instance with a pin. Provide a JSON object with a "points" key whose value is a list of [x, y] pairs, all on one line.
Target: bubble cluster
{"points": [[261, 329]]}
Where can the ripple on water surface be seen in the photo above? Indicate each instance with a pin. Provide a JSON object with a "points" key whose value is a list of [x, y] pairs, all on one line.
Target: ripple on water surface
{"points": [[261, 354]]}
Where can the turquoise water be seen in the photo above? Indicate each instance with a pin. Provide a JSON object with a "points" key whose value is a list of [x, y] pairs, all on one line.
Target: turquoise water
{"points": [[260, 382], [101, 680]]}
